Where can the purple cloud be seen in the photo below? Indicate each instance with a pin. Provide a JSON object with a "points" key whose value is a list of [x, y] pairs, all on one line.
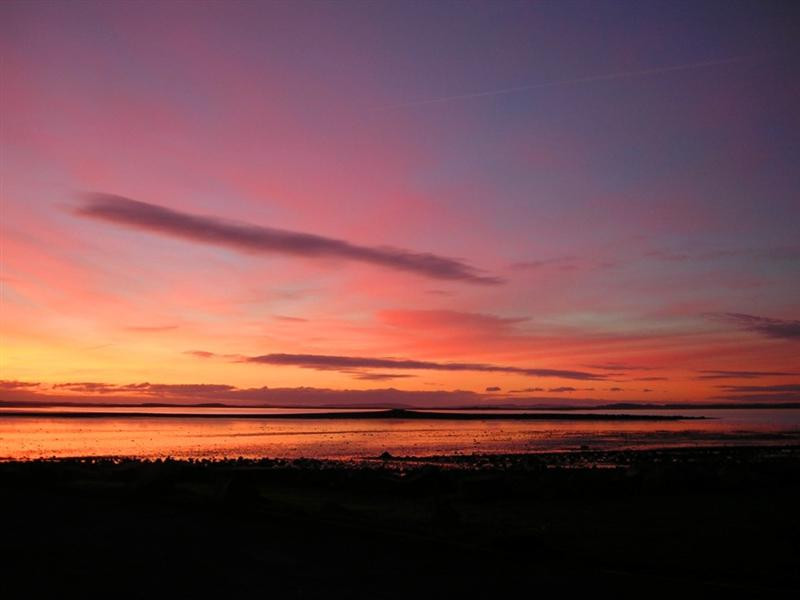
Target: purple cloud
{"points": [[619, 367], [775, 328], [257, 239], [709, 374], [379, 376], [192, 393], [324, 362]]}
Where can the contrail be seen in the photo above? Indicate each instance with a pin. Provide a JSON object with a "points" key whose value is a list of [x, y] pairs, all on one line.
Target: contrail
{"points": [[538, 86]]}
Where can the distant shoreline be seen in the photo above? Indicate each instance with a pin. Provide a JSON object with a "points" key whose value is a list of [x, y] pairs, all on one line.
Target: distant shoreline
{"points": [[361, 415], [375, 407]]}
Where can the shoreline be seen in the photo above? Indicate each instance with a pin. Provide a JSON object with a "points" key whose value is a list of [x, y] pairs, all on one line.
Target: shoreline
{"points": [[398, 414], [584, 456], [471, 526]]}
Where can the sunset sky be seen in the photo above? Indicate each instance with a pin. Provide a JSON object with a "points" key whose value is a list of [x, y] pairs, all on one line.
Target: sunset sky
{"points": [[477, 202]]}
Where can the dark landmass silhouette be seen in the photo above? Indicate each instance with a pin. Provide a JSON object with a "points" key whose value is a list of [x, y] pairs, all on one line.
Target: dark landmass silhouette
{"points": [[660, 522], [394, 413], [388, 406]]}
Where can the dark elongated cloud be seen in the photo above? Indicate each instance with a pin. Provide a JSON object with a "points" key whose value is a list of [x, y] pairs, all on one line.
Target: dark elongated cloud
{"points": [[619, 367], [144, 388], [761, 393], [255, 238], [86, 386], [709, 374], [792, 387], [179, 388], [325, 362], [7, 384], [135, 394], [366, 376], [193, 393], [775, 328], [775, 397]]}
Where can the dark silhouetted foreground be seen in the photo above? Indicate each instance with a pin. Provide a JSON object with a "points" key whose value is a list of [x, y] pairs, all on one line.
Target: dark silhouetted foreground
{"points": [[656, 523]]}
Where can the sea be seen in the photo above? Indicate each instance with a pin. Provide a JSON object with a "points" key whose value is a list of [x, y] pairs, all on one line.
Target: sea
{"points": [[222, 432]]}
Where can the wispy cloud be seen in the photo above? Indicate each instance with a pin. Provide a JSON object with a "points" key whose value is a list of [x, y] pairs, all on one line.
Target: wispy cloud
{"points": [[775, 328], [562, 82], [86, 386], [250, 238], [325, 362], [449, 319], [683, 256], [774, 397], [366, 376], [206, 354], [791, 387], [709, 374], [17, 385], [200, 353], [766, 253], [560, 262], [151, 328], [619, 367], [289, 319], [192, 393], [207, 393], [158, 389]]}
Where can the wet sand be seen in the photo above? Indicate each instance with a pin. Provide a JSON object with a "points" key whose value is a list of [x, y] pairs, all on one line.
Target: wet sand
{"points": [[654, 522]]}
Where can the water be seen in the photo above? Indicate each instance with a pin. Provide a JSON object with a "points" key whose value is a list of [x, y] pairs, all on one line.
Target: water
{"points": [[182, 435]]}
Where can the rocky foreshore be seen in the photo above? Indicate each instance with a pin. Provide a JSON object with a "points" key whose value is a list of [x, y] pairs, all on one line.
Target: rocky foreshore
{"points": [[710, 518]]}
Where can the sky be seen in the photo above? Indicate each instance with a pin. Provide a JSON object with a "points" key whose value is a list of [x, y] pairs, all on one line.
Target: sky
{"points": [[442, 203]]}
